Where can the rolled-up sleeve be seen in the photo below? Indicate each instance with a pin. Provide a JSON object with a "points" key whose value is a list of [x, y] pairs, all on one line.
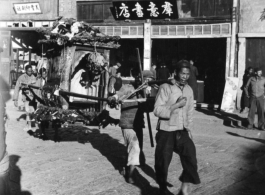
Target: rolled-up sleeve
{"points": [[161, 109]]}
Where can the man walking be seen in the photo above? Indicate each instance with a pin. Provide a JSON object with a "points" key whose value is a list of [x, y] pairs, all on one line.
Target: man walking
{"points": [[255, 91], [174, 107], [132, 124], [27, 96]]}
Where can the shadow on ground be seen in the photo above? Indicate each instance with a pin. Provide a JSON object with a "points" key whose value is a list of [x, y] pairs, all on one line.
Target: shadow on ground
{"points": [[229, 119], [251, 165], [109, 147], [15, 175]]}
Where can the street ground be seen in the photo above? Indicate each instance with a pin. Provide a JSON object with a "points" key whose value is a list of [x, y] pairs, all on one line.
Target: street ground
{"points": [[231, 159]]}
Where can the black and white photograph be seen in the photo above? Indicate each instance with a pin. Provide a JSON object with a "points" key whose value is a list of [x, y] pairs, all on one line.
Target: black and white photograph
{"points": [[132, 97]]}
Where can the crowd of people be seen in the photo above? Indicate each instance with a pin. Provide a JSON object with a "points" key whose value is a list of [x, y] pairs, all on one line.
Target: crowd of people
{"points": [[173, 107]]}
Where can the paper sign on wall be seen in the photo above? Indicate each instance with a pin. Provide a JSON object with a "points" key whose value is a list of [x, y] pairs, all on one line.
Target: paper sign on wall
{"points": [[27, 8], [229, 97]]}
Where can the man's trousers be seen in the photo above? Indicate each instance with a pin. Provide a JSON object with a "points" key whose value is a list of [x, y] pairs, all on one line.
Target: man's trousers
{"points": [[179, 142], [133, 149], [256, 103]]}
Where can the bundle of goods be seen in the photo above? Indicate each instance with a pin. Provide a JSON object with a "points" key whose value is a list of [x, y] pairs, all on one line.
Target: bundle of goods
{"points": [[68, 31]]}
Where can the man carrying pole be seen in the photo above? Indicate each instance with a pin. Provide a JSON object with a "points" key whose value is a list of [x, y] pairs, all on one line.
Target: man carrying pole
{"points": [[132, 124], [27, 96]]}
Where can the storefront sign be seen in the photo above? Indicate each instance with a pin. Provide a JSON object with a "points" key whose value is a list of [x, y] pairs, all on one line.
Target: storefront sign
{"points": [[133, 10], [27, 8], [262, 17]]}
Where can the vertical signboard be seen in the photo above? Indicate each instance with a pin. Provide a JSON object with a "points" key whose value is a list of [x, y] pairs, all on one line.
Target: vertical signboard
{"points": [[5, 55]]}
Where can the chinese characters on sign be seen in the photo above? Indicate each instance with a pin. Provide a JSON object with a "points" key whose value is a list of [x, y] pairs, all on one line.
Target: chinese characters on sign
{"points": [[134, 10], [138, 8], [27, 8], [167, 8], [262, 17], [124, 11]]}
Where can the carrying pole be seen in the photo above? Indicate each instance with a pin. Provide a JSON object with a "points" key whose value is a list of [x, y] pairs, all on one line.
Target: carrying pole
{"points": [[147, 112]]}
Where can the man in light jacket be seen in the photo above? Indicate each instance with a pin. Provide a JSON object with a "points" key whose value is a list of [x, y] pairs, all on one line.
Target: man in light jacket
{"points": [[174, 107], [27, 96]]}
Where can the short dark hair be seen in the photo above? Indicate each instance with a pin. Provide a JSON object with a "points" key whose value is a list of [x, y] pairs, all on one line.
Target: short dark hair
{"points": [[42, 70], [182, 64], [28, 67], [258, 69]]}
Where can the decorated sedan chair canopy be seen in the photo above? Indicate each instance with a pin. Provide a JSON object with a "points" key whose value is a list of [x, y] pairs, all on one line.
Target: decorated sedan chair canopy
{"points": [[79, 57]]}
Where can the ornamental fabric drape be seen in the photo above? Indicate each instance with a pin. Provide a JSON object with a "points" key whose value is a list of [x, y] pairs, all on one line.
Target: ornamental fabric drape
{"points": [[65, 65]]}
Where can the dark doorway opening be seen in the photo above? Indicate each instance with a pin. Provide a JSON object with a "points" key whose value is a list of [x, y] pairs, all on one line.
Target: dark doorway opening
{"points": [[209, 56], [126, 55]]}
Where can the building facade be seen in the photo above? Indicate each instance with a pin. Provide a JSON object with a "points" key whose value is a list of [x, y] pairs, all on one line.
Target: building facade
{"points": [[205, 31], [251, 38]]}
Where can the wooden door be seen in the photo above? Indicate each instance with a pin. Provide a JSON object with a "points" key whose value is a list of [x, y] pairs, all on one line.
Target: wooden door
{"points": [[255, 53]]}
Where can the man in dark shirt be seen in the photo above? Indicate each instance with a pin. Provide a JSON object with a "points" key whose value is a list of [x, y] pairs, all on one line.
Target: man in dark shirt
{"points": [[163, 72], [255, 91]]}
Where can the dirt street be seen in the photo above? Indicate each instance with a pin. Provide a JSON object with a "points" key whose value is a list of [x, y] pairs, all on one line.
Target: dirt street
{"points": [[87, 161]]}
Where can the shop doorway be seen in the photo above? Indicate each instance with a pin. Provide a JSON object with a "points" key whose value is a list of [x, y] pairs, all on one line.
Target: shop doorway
{"points": [[126, 55], [209, 56]]}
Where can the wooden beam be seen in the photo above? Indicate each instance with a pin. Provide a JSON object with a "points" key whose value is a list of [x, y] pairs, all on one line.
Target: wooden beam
{"points": [[17, 61], [20, 44], [246, 35], [188, 36], [29, 56]]}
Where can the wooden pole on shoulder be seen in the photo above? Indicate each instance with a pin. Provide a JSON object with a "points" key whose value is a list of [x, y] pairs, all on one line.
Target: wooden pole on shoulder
{"points": [[147, 112]]}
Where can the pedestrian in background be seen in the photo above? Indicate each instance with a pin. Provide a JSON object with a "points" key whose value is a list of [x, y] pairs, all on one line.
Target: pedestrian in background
{"points": [[27, 96], [163, 72], [153, 70], [255, 92], [174, 106], [4, 158], [192, 81], [113, 69], [40, 81], [245, 100]]}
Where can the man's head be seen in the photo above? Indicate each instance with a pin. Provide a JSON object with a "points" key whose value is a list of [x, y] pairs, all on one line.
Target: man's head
{"points": [[191, 62], [182, 72], [28, 69], [117, 65], [163, 65], [153, 66], [148, 75], [258, 72], [250, 70], [43, 73]]}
